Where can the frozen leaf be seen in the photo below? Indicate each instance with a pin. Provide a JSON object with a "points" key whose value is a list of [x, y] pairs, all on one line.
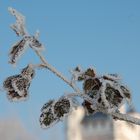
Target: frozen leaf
{"points": [[88, 107], [47, 117], [17, 50], [90, 72], [55, 111], [47, 105], [8, 82], [17, 86], [126, 92], [35, 44], [113, 96], [111, 77], [62, 107], [91, 84], [28, 72]]}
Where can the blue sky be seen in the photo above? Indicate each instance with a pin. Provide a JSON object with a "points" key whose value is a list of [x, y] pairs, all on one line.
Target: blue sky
{"points": [[102, 34]]}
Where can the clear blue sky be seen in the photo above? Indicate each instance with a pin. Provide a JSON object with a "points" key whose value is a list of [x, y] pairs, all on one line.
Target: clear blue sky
{"points": [[104, 34]]}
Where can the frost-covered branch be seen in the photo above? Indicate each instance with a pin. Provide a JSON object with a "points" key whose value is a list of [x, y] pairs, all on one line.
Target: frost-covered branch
{"points": [[56, 72], [19, 26], [104, 93], [126, 117], [116, 115]]}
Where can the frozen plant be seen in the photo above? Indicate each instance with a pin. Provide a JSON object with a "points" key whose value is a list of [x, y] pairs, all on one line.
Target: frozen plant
{"points": [[17, 86], [99, 93]]}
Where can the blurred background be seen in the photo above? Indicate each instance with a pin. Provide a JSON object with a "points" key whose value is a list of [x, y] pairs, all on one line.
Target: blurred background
{"points": [[90, 33]]}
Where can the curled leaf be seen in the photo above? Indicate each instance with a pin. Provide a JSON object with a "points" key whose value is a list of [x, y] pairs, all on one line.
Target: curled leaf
{"points": [[35, 43], [28, 72], [17, 50], [17, 86]]}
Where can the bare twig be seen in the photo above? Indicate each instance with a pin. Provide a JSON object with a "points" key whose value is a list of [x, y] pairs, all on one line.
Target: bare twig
{"points": [[52, 69], [19, 26]]}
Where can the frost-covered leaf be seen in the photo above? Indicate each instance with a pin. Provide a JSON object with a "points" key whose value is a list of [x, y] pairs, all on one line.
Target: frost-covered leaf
{"points": [[88, 107], [55, 111], [17, 50], [126, 91], [47, 105], [35, 43], [28, 72], [62, 107], [106, 92], [90, 72], [91, 84], [47, 117], [112, 77], [113, 96], [17, 86]]}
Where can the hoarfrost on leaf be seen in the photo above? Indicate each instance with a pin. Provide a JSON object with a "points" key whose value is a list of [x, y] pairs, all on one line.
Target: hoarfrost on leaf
{"points": [[17, 50], [17, 86], [35, 44], [55, 111]]}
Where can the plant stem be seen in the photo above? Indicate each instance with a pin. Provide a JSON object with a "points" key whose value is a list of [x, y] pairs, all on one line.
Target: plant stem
{"points": [[126, 117], [52, 69]]}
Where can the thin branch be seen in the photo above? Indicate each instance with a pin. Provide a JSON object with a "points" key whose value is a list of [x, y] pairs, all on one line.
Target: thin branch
{"points": [[125, 117], [52, 69], [19, 26], [119, 116]]}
